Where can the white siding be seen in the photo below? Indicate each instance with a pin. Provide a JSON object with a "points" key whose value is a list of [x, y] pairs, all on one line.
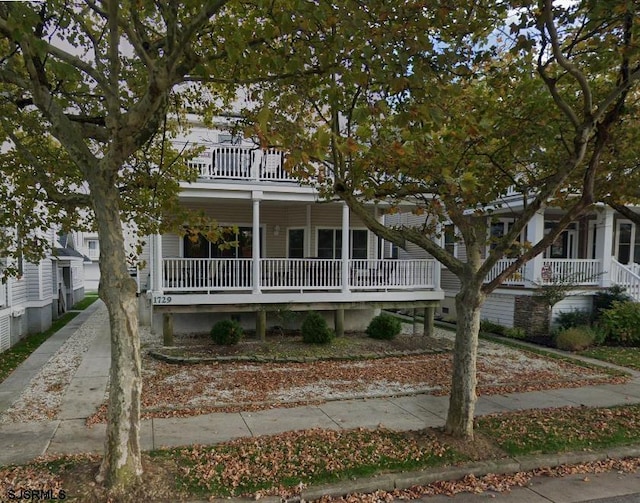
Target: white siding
{"points": [[449, 282], [5, 330], [171, 245], [499, 309], [77, 273], [19, 291], [33, 281], [572, 303]]}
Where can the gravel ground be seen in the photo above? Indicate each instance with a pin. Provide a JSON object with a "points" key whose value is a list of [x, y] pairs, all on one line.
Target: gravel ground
{"points": [[42, 397], [193, 389]]}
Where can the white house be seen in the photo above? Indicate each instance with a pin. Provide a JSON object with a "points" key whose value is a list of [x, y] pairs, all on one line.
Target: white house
{"points": [[41, 292], [294, 251], [597, 251]]}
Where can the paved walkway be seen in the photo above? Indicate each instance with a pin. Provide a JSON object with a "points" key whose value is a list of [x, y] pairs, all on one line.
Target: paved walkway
{"points": [[21, 442]]}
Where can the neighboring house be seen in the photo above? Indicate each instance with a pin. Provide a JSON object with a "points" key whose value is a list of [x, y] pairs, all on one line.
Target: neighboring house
{"points": [[44, 290], [294, 251], [597, 251], [89, 246]]}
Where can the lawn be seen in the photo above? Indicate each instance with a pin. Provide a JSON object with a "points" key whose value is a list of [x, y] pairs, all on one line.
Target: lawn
{"points": [[626, 357]]}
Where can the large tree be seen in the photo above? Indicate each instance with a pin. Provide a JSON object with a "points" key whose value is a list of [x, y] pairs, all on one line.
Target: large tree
{"points": [[87, 97], [452, 113]]}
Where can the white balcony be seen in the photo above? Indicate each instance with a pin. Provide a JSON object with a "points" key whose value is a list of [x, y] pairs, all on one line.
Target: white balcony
{"points": [[237, 162]]}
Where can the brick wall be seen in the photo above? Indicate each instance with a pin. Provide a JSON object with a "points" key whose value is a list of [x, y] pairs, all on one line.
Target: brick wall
{"points": [[531, 315]]}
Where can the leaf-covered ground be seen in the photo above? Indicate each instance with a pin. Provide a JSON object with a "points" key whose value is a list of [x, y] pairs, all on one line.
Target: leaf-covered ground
{"points": [[286, 463]]}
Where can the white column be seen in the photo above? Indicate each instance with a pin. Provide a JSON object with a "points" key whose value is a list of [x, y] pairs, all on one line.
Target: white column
{"points": [[378, 252], [307, 243], [604, 244], [157, 264], [535, 232], [255, 242], [345, 247]]}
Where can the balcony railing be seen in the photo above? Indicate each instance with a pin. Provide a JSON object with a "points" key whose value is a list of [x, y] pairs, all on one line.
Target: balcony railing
{"points": [[226, 274], [237, 162]]}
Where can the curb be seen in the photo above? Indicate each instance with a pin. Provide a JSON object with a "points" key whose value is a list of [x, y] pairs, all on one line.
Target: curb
{"points": [[405, 480]]}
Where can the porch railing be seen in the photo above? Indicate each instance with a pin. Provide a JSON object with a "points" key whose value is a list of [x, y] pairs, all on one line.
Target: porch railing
{"points": [[228, 274], [367, 274], [626, 277], [583, 272], [516, 278]]}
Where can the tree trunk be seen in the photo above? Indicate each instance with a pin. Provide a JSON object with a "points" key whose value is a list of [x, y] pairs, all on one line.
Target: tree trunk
{"points": [[121, 466], [464, 380]]}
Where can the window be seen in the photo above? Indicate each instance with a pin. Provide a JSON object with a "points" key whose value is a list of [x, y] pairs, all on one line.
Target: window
{"points": [[450, 239], [628, 243], [296, 243], [200, 247], [92, 245], [563, 246], [330, 243]]}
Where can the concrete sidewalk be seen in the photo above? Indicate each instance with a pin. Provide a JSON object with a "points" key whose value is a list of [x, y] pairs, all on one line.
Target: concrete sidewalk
{"points": [[22, 442]]}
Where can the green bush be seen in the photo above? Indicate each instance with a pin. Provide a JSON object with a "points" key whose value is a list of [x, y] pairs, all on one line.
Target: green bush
{"points": [[574, 318], [226, 332], [622, 324], [315, 330], [514, 332], [491, 327], [384, 326], [575, 338], [604, 300]]}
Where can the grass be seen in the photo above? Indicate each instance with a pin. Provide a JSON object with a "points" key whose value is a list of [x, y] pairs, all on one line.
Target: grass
{"points": [[271, 464], [542, 431], [18, 353], [626, 357], [89, 299]]}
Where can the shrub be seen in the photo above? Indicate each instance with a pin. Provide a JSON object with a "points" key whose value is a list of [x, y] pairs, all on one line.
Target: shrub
{"points": [[226, 332], [315, 330], [604, 300], [514, 332], [575, 338], [491, 327], [622, 324], [384, 326], [573, 318]]}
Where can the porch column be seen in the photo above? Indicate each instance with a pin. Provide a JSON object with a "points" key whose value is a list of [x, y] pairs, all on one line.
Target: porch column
{"points": [[345, 248], [255, 241], [535, 232], [378, 252], [157, 266], [604, 244], [167, 329], [428, 329], [307, 233], [338, 321]]}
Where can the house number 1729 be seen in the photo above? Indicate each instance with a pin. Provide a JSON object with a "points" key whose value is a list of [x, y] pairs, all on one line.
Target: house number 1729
{"points": [[162, 299]]}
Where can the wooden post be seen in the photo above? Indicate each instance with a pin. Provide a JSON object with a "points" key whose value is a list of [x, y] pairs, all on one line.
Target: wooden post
{"points": [[428, 328], [261, 324], [415, 321], [167, 329], [338, 319]]}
